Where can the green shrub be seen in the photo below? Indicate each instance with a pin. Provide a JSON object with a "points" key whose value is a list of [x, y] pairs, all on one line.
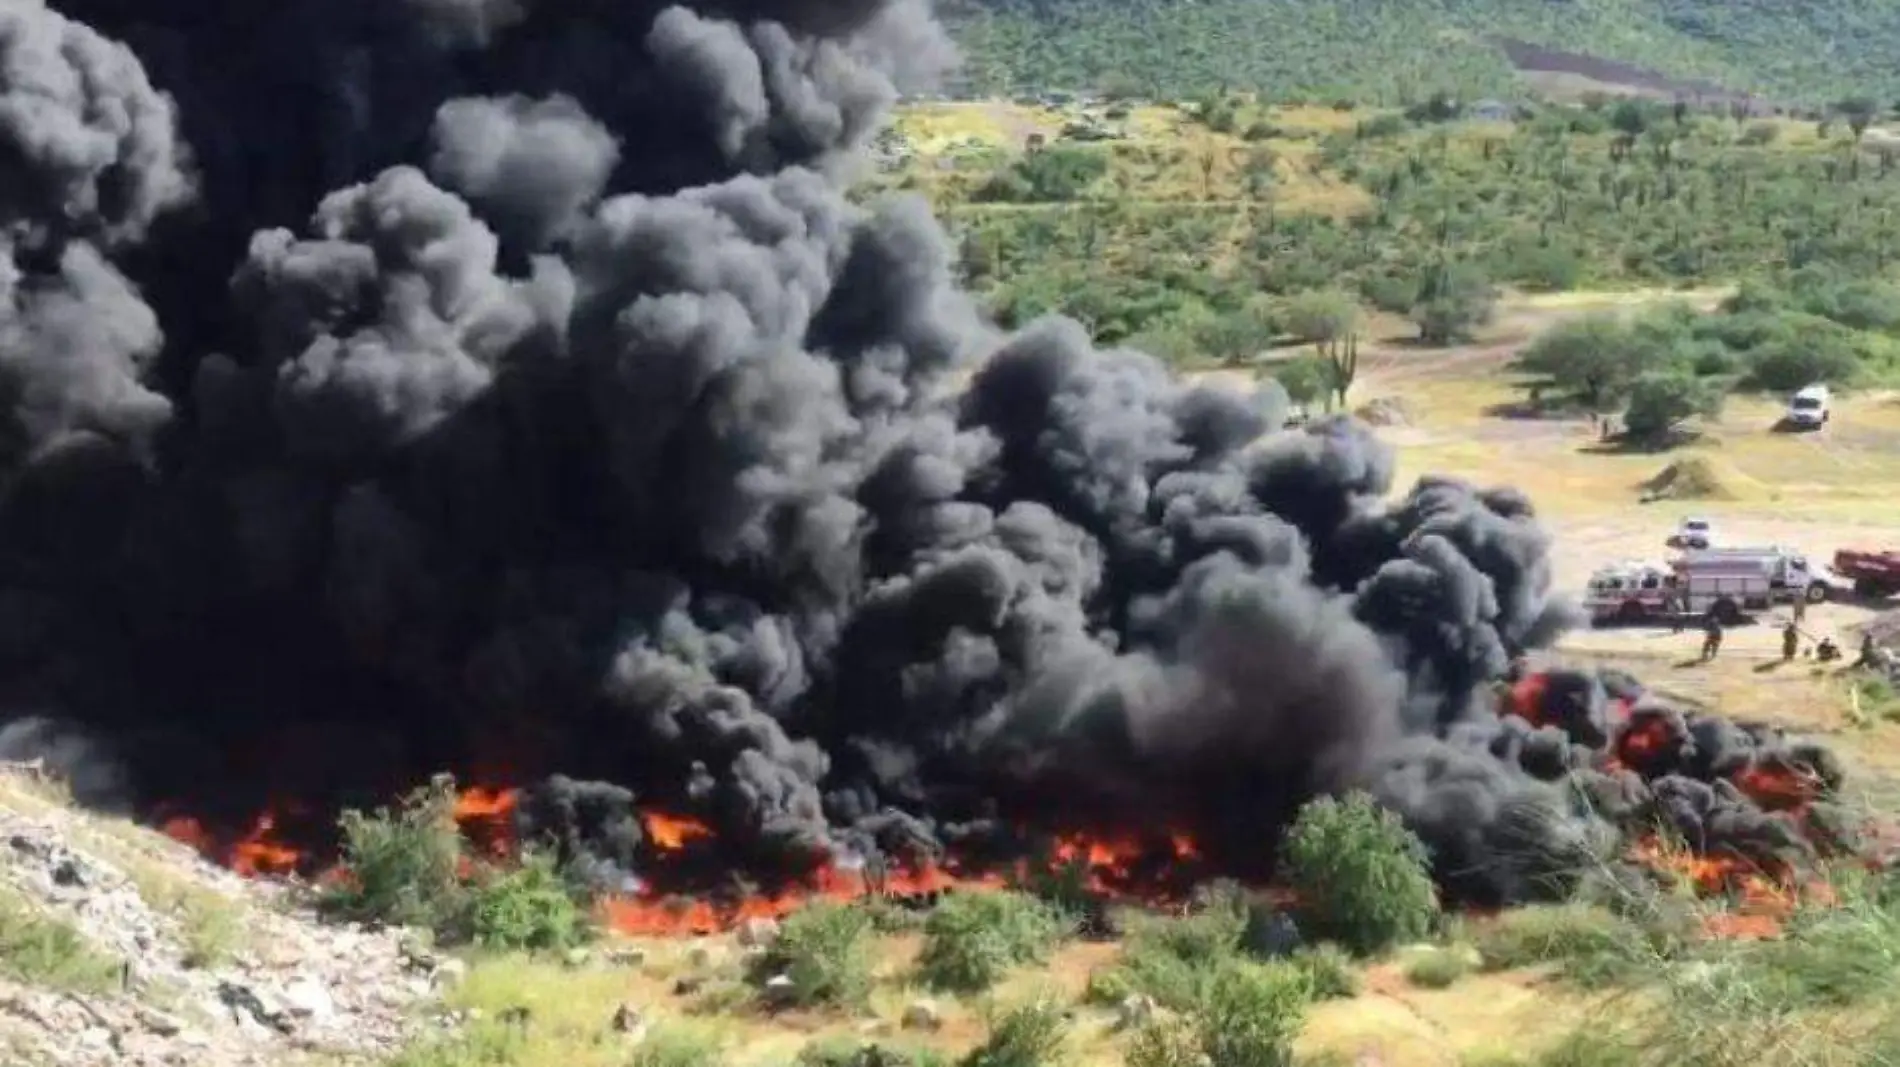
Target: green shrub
{"points": [[1328, 970], [1029, 1035], [1174, 959], [891, 916], [971, 939], [676, 1046], [1828, 958], [1360, 877], [1164, 1043], [403, 864], [527, 907], [1047, 176], [825, 950], [1252, 1013], [1593, 945], [1438, 968], [1660, 403], [1248, 1016], [849, 1052], [484, 1044], [42, 950]]}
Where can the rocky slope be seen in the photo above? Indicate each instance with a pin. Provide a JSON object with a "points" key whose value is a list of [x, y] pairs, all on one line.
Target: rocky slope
{"points": [[119, 947]]}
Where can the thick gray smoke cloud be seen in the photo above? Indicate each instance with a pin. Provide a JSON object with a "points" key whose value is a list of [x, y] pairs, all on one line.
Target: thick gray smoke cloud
{"points": [[534, 400], [91, 160]]}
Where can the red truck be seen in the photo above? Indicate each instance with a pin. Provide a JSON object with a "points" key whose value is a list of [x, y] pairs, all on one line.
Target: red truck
{"points": [[1874, 574]]}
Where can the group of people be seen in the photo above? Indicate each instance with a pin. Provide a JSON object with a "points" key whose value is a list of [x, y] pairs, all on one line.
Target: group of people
{"points": [[1872, 656]]}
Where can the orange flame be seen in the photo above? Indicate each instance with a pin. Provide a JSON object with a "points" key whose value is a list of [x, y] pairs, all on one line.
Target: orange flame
{"points": [[1763, 896], [257, 852], [486, 816], [1779, 786], [671, 833]]}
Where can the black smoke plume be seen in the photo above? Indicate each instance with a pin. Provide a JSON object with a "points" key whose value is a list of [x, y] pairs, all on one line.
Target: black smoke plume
{"points": [[510, 386]]}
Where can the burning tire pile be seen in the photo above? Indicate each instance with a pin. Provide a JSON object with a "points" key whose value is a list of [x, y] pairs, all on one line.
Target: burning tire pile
{"points": [[512, 388]]}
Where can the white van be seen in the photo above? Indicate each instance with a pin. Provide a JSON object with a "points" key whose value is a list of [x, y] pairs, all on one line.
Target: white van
{"points": [[1808, 408]]}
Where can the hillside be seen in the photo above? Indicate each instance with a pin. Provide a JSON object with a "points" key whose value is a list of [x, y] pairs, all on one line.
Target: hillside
{"points": [[1386, 50], [1197, 234]]}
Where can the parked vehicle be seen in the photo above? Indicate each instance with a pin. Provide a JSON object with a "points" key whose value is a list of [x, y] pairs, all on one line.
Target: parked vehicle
{"points": [[1693, 533], [1808, 408], [1629, 592], [1791, 576], [1874, 573], [1634, 591]]}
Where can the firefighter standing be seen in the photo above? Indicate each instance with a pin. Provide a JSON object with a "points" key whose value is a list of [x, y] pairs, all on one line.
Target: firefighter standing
{"points": [[1790, 642], [1800, 610], [1711, 637]]}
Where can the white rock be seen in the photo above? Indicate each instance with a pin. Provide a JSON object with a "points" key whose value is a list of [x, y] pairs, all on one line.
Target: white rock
{"points": [[158, 1022], [778, 989], [922, 1015], [1136, 1009], [306, 998]]}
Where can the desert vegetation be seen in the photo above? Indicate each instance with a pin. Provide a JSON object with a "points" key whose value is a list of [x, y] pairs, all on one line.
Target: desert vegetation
{"points": [[1231, 233], [1353, 50]]}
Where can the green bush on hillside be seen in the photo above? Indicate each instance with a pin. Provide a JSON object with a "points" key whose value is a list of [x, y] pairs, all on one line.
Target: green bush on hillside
{"points": [[1027, 1035], [1359, 876], [1248, 1016], [403, 864], [825, 950], [530, 906], [972, 939]]}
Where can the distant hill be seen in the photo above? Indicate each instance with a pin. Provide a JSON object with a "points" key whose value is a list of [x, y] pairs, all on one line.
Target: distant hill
{"points": [[1807, 52]]}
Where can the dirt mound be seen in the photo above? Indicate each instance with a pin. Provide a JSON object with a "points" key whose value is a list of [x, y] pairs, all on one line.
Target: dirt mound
{"points": [[1700, 478]]}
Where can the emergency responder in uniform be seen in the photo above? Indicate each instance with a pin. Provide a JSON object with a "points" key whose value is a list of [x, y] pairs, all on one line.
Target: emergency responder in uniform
{"points": [[1869, 652], [1711, 636], [1790, 642]]}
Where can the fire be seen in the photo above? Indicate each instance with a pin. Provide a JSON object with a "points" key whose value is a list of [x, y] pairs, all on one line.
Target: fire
{"points": [[486, 816], [1107, 866], [671, 833], [1118, 866], [1642, 739], [1525, 698], [651, 913], [1778, 786], [258, 851], [1763, 896]]}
